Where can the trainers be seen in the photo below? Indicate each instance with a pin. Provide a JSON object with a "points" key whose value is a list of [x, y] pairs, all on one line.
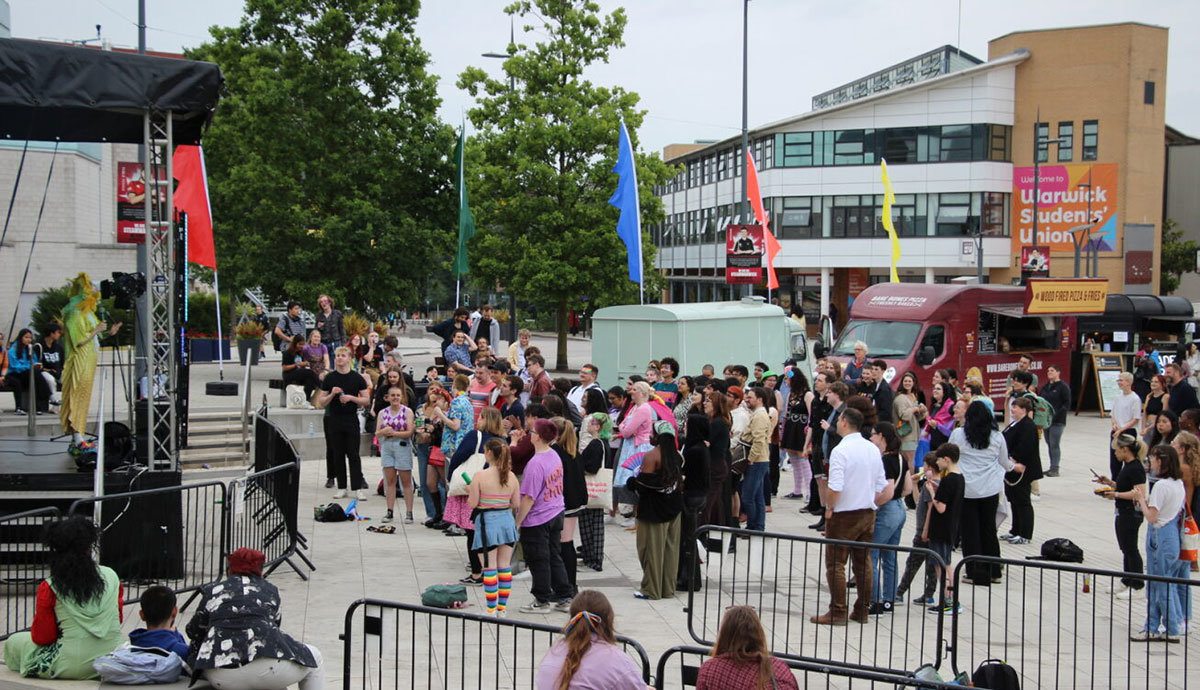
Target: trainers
{"points": [[1144, 636], [340, 493], [408, 518], [455, 531], [947, 608], [1018, 541], [923, 601], [1051, 473], [387, 517], [879, 608], [536, 607], [1006, 537], [563, 606], [361, 494], [1124, 593], [628, 522], [21, 412]]}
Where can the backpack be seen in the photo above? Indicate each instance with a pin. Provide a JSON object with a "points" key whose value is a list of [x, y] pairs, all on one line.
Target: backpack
{"points": [[331, 512], [1059, 549], [129, 665], [1043, 411], [997, 675], [444, 596]]}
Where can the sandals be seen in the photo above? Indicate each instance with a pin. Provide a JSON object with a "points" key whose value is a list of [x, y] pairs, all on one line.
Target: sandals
{"points": [[386, 529]]}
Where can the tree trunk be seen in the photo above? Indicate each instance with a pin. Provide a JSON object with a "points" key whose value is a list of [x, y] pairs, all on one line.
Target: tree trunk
{"points": [[561, 363]]}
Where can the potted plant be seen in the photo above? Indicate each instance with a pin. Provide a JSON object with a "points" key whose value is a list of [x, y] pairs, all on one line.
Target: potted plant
{"points": [[249, 333]]}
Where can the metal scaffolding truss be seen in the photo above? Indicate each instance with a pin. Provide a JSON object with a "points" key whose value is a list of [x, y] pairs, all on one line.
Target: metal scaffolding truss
{"points": [[160, 327]]}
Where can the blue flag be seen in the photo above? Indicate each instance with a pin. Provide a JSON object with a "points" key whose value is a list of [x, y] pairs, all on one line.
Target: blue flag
{"points": [[629, 225]]}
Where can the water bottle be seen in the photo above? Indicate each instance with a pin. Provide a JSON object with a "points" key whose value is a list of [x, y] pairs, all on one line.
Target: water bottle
{"points": [[311, 431]]}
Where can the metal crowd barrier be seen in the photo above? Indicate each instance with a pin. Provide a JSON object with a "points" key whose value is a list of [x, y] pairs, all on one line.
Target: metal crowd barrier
{"points": [[22, 566], [685, 672], [262, 515], [783, 577], [390, 644], [173, 536], [1062, 626]]}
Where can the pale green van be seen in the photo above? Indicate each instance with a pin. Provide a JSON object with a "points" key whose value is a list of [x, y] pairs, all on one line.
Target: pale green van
{"points": [[625, 338]]}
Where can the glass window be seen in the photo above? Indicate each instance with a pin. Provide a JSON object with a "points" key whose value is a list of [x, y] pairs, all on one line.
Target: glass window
{"points": [[848, 147], [1091, 139], [955, 143], [1066, 144], [883, 338], [1041, 134], [1148, 93], [1001, 143], [954, 215], [935, 337], [898, 145]]}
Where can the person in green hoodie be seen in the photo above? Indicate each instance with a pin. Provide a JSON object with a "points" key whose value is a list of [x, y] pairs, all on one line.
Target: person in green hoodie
{"points": [[77, 618]]}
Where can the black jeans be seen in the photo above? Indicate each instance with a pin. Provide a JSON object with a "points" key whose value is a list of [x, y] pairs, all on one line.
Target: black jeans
{"points": [[19, 383], [341, 443], [978, 529], [301, 376], [1022, 505], [689, 577], [1128, 523], [543, 555]]}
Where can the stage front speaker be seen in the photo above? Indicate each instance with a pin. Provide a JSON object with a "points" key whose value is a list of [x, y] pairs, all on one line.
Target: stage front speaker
{"points": [[142, 536]]}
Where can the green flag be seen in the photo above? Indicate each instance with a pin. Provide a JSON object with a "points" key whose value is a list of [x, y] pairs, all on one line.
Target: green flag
{"points": [[466, 224]]}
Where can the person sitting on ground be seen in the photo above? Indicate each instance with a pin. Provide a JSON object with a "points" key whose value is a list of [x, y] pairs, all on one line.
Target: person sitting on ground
{"points": [[741, 657], [77, 615], [236, 640], [155, 653], [158, 612], [588, 655]]}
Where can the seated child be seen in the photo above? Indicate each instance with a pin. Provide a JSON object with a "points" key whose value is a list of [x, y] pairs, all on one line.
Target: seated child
{"points": [[158, 612]]}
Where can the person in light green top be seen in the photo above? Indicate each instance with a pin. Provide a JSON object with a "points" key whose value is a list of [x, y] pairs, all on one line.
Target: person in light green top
{"points": [[77, 618]]}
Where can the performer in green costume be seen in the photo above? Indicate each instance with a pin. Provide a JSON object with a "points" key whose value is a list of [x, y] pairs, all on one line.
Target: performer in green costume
{"points": [[81, 326]]}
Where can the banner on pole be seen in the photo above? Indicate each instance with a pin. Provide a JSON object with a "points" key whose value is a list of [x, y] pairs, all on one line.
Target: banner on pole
{"points": [[131, 203], [744, 251]]}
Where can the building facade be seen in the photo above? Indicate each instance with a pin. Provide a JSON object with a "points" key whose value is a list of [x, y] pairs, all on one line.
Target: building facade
{"points": [[957, 135]]}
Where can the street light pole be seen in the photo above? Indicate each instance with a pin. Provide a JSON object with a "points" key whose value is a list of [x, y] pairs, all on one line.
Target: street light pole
{"points": [[1039, 142], [512, 88], [745, 214]]}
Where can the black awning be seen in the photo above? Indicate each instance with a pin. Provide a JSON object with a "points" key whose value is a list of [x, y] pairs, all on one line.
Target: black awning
{"points": [[59, 92], [1130, 313]]}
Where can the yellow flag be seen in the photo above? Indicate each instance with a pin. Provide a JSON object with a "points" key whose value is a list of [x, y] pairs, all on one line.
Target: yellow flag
{"points": [[889, 198]]}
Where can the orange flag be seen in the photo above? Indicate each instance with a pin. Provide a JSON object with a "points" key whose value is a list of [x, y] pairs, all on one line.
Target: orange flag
{"points": [[760, 215]]}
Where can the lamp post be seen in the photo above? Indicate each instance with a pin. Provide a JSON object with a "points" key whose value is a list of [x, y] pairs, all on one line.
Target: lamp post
{"points": [[1040, 144], [1084, 232], [512, 87], [745, 205]]}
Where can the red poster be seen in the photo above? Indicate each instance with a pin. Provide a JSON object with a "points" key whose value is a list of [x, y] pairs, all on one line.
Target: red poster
{"points": [[743, 254], [131, 207], [1035, 261], [860, 279]]}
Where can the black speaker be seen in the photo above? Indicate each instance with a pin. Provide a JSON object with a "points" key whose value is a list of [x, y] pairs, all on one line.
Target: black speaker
{"points": [[161, 407], [142, 537]]}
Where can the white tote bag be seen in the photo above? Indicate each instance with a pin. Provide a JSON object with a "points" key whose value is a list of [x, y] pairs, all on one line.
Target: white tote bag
{"points": [[599, 489], [460, 481]]}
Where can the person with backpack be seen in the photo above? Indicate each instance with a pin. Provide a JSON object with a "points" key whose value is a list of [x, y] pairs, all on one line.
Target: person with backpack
{"points": [[1058, 394], [1021, 438]]}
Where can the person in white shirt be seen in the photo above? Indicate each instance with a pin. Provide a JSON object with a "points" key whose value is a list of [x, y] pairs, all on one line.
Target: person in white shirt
{"points": [[587, 381], [856, 481], [1126, 413], [1166, 604]]}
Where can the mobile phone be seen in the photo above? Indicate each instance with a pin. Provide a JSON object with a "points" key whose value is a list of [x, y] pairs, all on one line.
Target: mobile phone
{"points": [[1093, 473]]}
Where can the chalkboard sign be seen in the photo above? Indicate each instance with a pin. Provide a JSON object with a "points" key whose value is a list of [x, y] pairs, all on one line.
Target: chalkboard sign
{"points": [[988, 325], [1105, 372]]}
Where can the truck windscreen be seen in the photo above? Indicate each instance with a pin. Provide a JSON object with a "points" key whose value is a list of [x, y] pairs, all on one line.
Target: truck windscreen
{"points": [[883, 338]]}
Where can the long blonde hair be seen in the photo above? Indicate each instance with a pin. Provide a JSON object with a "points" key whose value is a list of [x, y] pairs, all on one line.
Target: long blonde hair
{"points": [[499, 458], [1190, 455], [742, 640], [490, 422], [591, 614], [566, 436]]}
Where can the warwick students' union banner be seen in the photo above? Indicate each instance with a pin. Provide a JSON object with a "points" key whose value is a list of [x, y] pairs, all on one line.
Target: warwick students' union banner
{"points": [[1064, 193]]}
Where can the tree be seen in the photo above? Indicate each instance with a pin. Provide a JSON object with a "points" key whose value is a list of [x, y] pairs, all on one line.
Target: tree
{"points": [[1178, 257], [540, 167], [328, 169]]}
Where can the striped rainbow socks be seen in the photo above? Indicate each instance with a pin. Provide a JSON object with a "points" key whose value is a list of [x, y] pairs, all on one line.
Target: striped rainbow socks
{"points": [[505, 578], [490, 586]]}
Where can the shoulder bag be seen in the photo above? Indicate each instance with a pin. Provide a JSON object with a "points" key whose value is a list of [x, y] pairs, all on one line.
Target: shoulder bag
{"points": [[460, 482]]}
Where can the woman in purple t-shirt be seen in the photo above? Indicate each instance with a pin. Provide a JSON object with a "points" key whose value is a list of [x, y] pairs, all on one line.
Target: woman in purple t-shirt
{"points": [[541, 521], [316, 354]]}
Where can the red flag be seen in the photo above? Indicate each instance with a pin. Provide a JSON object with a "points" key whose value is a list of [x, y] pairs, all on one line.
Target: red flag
{"points": [[760, 215], [191, 197]]}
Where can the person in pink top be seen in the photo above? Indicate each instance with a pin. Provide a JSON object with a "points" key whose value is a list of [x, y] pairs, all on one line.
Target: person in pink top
{"points": [[634, 432], [483, 389]]}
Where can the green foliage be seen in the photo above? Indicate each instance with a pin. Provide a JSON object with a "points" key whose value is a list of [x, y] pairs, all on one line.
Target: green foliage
{"points": [[540, 167], [202, 316], [1178, 257], [328, 169], [48, 306]]}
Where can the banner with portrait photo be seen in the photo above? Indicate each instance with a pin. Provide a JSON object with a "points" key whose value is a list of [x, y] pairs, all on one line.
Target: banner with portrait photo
{"points": [[1035, 262], [744, 249], [131, 202]]}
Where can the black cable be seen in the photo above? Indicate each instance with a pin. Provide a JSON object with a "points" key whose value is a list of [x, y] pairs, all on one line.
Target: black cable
{"points": [[36, 227], [12, 201]]}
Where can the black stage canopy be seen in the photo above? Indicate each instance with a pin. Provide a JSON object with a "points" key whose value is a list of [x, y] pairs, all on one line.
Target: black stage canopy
{"points": [[60, 92]]}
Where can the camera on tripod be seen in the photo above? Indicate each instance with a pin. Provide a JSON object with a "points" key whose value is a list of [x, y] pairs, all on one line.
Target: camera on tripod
{"points": [[124, 288]]}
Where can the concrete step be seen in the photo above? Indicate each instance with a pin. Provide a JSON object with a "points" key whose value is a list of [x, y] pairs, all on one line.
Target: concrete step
{"points": [[195, 458]]}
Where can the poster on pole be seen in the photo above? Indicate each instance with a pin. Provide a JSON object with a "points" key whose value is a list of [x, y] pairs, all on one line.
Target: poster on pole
{"points": [[1035, 262], [131, 207], [744, 249]]}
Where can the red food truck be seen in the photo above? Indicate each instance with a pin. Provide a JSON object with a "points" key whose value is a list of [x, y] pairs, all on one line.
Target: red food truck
{"points": [[980, 331]]}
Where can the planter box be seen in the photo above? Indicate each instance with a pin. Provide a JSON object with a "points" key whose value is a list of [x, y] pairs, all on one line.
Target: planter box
{"points": [[251, 346], [205, 349]]}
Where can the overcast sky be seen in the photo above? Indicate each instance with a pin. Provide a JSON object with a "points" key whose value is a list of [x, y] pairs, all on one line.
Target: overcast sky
{"points": [[684, 56]]}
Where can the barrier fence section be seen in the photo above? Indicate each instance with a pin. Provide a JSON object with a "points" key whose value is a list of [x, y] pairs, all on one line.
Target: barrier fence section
{"points": [[173, 536], [783, 577], [684, 671], [394, 645], [258, 515], [22, 566], [1064, 626]]}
